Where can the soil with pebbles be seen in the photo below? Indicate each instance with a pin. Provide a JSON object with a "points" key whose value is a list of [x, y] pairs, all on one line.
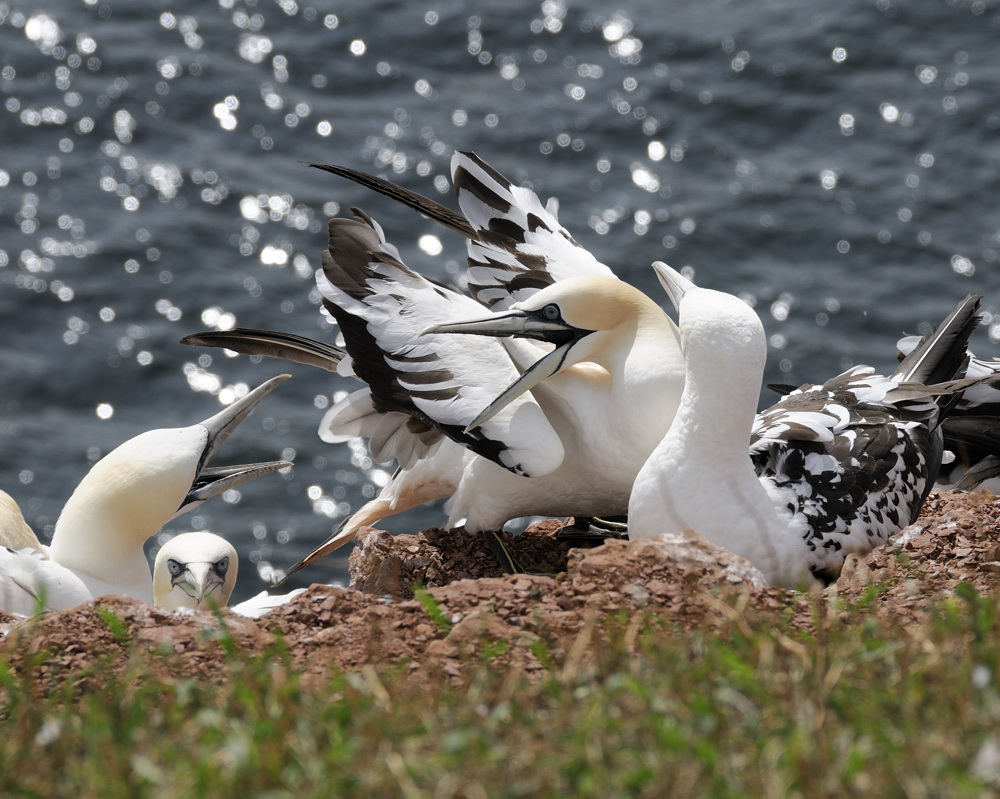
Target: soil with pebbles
{"points": [[469, 603]]}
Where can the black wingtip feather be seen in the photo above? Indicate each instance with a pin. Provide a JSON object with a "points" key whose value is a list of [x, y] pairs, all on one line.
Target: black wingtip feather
{"points": [[424, 205], [942, 354]]}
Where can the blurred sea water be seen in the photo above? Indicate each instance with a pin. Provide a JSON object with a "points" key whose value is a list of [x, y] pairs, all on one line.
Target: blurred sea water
{"points": [[836, 165]]}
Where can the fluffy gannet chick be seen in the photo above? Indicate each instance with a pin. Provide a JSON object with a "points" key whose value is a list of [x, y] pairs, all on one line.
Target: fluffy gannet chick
{"points": [[830, 469], [194, 570], [128, 496]]}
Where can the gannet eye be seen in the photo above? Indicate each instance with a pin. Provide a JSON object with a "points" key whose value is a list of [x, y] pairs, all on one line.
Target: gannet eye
{"points": [[175, 567], [222, 566], [551, 312]]}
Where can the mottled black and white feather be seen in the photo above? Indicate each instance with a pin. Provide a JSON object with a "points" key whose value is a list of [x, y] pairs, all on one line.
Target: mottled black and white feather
{"points": [[972, 428], [520, 247], [857, 455]]}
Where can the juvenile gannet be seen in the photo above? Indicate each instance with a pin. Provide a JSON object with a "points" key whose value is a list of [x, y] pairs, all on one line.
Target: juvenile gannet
{"points": [[194, 570], [831, 469], [505, 427], [125, 498]]}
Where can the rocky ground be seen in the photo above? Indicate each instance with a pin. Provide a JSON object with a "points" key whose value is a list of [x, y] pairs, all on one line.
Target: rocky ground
{"points": [[469, 604]]}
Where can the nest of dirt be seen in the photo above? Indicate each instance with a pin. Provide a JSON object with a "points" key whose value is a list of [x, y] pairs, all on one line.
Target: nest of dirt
{"points": [[433, 601]]}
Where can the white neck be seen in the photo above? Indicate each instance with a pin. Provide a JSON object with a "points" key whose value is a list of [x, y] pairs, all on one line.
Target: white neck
{"points": [[641, 370], [101, 546], [700, 476], [125, 499]]}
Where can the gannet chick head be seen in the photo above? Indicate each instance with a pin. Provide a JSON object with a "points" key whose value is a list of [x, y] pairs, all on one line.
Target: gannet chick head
{"points": [[593, 319], [194, 570], [137, 488]]}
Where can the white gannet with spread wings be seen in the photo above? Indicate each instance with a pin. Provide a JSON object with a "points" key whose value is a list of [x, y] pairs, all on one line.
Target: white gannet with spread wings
{"points": [[831, 469], [126, 497], [502, 425]]}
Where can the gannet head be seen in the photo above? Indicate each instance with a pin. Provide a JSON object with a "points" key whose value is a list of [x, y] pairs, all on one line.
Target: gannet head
{"points": [[721, 331], [137, 488], [194, 570], [590, 318]]}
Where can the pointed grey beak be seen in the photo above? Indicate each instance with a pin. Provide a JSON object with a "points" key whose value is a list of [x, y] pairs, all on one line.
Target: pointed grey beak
{"points": [[673, 282], [542, 368], [527, 324], [198, 580], [214, 480]]}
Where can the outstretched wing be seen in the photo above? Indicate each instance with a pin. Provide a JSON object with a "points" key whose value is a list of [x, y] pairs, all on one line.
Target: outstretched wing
{"points": [[519, 247], [441, 381]]}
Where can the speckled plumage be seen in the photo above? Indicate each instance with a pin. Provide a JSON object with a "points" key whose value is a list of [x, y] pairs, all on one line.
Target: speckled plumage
{"points": [[842, 457], [832, 468], [972, 429]]}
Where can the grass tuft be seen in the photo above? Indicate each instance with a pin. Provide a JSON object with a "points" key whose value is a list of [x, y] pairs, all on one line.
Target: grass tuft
{"points": [[632, 706]]}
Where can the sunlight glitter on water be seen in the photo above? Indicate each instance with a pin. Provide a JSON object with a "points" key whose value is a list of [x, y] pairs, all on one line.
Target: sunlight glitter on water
{"points": [[140, 170]]}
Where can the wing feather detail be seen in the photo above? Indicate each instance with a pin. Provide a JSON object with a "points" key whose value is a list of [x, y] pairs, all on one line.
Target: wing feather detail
{"points": [[442, 381]]}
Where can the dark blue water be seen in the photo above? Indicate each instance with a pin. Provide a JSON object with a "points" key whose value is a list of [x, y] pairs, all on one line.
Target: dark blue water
{"points": [[838, 164]]}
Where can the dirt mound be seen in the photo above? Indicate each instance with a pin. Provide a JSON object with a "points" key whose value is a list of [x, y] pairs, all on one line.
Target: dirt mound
{"points": [[466, 609]]}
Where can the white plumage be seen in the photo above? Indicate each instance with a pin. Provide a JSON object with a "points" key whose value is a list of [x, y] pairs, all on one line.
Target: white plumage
{"points": [[504, 426], [196, 571], [830, 469], [125, 498], [14, 530]]}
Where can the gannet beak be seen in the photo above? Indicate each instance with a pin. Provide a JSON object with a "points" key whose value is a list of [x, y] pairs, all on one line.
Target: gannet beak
{"points": [[533, 375], [673, 282], [528, 324], [198, 580], [515, 322], [211, 481]]}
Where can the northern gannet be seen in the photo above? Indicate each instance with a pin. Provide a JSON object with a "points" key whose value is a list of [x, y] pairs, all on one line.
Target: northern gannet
{"points": [[830, 470], [503, 426], [198, 571], [125, 498], [194, 570]]}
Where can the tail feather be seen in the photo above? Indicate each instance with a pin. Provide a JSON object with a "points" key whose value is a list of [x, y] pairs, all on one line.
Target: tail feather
{"points": [[986, 469]]}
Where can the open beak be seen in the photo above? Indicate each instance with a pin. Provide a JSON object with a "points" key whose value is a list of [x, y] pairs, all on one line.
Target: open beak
{"points": [[526, 324], [210, 481], [673, 282]]}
